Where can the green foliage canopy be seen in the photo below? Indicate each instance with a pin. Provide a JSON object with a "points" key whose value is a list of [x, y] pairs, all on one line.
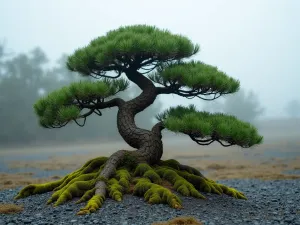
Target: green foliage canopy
{"points": [[64, 105], [192, 79], [205, 127], [140, 45]]}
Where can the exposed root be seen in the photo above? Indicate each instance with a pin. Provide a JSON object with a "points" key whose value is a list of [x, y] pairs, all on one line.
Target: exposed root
{"points": [[200, 182], [156, 194], [32, 189], [179, 183], [119, 185], [93, 204], [144, 170], [114, 176]]}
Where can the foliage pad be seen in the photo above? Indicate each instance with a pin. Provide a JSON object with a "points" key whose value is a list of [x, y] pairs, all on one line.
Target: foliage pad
{"points": [[64, 105], [205, 127], [198, 77], [139, 42]]}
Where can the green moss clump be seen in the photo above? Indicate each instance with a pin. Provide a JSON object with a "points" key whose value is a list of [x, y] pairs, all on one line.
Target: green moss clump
{"points": [[179, 183], [170, 163], [156, 194], [147, 181], [93, 204], [124, 178], [115, 189], [129, 162]]}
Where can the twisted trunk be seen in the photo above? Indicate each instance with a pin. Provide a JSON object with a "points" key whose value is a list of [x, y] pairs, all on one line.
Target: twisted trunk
{"points": [[148, 143]]}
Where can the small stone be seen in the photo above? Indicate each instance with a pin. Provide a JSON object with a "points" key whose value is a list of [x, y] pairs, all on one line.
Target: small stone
{"points": [[27, 221], [288, 220], [73, 221]]}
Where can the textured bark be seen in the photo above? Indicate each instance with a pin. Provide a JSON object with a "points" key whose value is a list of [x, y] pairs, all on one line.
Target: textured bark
{"points": [[157, 128], [109, 170], [148, 143]]}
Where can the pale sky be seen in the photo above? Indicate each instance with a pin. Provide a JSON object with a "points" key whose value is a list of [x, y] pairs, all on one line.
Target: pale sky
{"points": [[255, 41]]}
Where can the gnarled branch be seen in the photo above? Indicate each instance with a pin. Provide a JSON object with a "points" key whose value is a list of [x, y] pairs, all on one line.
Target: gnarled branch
{"points": [[190, 94], [96, 106]]}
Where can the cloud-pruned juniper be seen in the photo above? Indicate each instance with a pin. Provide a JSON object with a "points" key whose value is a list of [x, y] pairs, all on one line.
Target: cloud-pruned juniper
{"points": [[159, 63]]}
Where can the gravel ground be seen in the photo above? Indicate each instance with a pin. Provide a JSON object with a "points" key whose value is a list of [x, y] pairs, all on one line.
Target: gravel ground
{"points": [[270, 202]]}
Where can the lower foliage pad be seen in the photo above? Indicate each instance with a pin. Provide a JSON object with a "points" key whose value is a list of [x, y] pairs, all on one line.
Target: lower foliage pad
{"points": [[155, 183]]}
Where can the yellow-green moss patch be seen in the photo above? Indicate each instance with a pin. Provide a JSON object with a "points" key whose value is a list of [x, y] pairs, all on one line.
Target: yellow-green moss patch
{"points": [[154, 183], [155, 194]]}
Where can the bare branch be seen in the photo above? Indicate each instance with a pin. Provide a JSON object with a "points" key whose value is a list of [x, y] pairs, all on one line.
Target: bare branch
{"points": [[81, 125], [102, 75], [224, 145], [190, 94], [102, 105], [58, 126]]}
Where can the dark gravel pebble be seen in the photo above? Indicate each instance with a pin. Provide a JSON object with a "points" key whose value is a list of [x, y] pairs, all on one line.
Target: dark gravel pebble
{"points": [[270, 202]]}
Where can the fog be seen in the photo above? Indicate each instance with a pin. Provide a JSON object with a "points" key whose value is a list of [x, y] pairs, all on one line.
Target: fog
{"points": [[254, 41]]}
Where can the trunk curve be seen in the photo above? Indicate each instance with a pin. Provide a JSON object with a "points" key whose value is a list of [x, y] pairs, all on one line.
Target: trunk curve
{"points": [[148, 143]]}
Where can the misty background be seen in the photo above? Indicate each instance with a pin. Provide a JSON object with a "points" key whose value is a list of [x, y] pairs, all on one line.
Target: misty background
{"points": [[253, 41]]}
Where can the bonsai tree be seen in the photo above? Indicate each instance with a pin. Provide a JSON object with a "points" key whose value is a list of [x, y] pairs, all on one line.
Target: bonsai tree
{"points": [[146, 56]]}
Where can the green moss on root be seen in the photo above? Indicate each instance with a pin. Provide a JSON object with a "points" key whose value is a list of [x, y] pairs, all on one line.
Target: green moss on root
{"points": [[129, 161], [144, 170], [180, 184], [115, 189], [93, 205], [170, 163], [156, 194], [124, 178], [88, 167], [147, 181]]}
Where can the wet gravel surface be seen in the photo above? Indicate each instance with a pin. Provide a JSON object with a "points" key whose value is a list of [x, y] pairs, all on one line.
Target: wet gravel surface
{"points": [[270, 202]]}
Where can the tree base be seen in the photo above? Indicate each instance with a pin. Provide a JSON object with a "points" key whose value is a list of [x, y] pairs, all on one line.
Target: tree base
{"points": [[154, 183]]}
